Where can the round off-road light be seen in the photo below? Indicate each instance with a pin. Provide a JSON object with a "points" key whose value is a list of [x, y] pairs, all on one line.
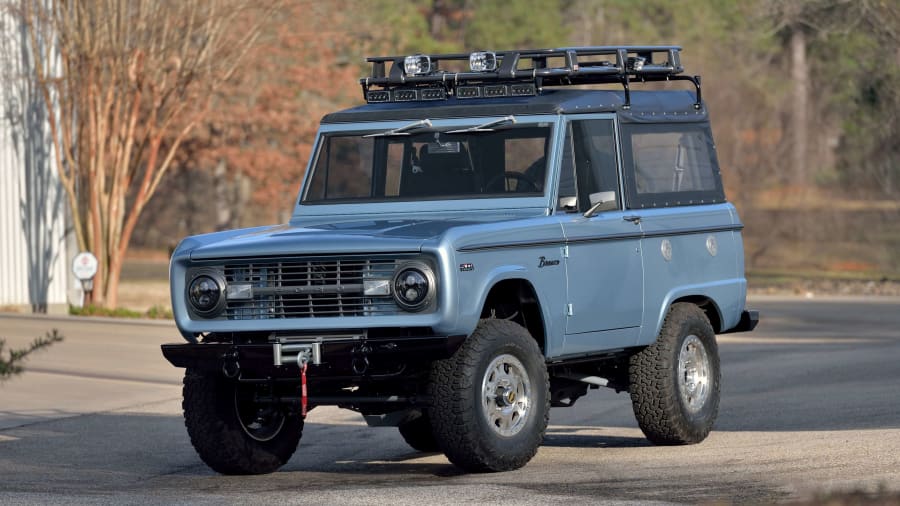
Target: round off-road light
{"points": [[414, 286], [204, 294]]}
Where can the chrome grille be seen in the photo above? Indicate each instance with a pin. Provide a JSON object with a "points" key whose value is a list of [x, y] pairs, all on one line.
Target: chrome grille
{"points": [[309, 288]]}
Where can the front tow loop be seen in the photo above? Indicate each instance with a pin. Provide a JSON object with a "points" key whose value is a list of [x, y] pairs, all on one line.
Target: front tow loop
{"points": [[303, 362], [231, 368]]}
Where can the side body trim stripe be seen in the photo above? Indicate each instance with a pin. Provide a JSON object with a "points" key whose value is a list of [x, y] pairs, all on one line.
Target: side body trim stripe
{"points": [[610, 237]]}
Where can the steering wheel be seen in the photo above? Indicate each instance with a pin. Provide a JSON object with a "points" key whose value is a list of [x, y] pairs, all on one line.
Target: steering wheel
{"points": [[518, 177]]}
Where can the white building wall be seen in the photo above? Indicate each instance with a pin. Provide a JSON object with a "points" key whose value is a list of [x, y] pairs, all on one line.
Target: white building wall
{"points": [[33, 258]]}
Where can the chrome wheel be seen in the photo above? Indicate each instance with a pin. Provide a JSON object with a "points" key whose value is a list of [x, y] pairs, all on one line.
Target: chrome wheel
{"points": [[506, 394], [693, 374]]}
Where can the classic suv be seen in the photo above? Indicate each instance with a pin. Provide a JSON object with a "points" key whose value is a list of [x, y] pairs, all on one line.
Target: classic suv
{"points": [[469, 249]]}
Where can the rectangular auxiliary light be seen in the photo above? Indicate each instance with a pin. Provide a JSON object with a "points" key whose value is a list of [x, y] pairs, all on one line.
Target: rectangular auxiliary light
{"points": [[239, 291], [376, 96], [483, 61], [468, 92], [433, 94], [497, 90], [405, 95], [417, 65], [522, 89], [374, 287], [636, 63]]}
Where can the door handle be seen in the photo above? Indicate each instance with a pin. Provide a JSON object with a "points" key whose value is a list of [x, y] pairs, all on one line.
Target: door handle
{"points": [[634, 219]]}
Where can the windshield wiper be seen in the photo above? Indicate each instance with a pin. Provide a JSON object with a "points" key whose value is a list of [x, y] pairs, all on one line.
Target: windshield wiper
{"points": [[490, 126], [404, 130]]}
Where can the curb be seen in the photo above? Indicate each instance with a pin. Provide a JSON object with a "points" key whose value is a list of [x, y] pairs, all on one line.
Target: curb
{"points": [[89, 319], [877, 299]]}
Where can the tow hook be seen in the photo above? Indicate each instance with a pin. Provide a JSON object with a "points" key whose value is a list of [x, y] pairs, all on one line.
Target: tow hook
{"points": [[231, 368], [360, 364]]}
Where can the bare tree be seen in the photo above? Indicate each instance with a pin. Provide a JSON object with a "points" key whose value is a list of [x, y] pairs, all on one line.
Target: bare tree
{"points": [[124, 82]]}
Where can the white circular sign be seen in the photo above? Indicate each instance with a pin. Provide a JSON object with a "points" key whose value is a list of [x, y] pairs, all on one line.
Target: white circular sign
{"points": [[84, 266]]}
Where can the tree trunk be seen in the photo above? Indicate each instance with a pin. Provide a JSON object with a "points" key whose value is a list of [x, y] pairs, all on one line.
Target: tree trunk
{"points": [[224, 203], [436, 19], [115, 271], [799, 108]]}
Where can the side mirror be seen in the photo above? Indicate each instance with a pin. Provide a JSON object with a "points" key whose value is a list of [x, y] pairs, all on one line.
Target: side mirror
{"points": [[601, 201], [568, 204]]}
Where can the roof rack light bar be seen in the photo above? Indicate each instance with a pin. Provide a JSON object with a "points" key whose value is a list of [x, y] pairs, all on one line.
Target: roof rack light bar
{"points": [[511, 74]]}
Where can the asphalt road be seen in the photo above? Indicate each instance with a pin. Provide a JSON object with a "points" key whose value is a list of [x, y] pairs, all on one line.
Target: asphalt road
{"points": [[810, 405]]}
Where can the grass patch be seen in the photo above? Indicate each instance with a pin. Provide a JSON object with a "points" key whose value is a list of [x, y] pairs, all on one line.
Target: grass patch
{"points": [[156, 312]]}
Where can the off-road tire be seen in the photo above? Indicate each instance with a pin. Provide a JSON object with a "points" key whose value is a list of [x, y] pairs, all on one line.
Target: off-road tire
{"points": [[459, 423], [417, 434], [659, 407], [218, 436]]}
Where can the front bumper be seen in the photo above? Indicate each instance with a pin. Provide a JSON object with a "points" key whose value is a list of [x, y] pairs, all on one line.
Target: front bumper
{"points": [[370, 358]]}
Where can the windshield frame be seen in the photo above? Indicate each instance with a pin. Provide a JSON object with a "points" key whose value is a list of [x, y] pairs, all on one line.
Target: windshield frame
{"points": [[320, 208]]}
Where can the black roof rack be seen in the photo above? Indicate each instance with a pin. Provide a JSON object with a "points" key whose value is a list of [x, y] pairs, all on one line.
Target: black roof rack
{"points": [[504, 74]]}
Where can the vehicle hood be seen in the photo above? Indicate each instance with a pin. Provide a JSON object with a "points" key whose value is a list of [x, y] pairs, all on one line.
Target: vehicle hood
{"points": [[318, 235]]}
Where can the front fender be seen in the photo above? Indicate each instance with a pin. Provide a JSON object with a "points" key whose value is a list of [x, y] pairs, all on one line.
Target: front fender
{"points": [[474, 292], [549, 285]]}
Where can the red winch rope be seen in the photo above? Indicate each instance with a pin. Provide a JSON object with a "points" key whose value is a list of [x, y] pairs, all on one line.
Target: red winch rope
{"points": [[303, 395]]}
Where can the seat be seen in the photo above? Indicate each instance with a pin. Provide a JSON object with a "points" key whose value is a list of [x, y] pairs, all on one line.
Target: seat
{"points": [[439, 173]]}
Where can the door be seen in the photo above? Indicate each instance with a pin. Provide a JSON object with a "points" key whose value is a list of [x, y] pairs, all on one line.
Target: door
{"points": [[604, 266]]}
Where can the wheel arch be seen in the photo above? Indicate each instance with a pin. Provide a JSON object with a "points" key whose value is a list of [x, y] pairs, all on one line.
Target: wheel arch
{"points": [[718, 301], [518, 291], [708, 305]]}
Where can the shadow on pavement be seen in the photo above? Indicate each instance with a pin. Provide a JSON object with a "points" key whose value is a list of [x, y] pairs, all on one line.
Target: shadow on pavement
{"points": [[148, 455]]}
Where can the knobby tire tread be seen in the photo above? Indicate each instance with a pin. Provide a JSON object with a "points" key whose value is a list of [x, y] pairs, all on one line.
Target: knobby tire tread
{"points": [[654, 392], [218, 438], [454, 417]]}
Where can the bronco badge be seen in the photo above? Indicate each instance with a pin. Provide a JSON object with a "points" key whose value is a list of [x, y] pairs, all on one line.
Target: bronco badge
{"points": [[546, 263]]}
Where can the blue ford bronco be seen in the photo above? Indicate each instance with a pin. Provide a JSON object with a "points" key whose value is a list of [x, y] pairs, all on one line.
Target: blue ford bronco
{"points": [[470, 248]]}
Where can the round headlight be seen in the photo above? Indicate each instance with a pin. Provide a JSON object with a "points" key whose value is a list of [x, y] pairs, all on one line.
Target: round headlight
{"points": [[204, 294], [413, 287]]}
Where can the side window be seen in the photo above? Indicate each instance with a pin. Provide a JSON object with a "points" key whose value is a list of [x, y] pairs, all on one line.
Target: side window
{"points": [[567, 189], [671, 165], [596, 168]]}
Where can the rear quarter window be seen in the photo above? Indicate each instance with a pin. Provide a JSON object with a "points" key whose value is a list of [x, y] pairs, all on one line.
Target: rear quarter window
{"points": [[670, 165]]}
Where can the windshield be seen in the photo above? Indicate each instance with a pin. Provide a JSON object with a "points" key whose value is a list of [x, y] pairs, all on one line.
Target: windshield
{"points": [[415, 164]]}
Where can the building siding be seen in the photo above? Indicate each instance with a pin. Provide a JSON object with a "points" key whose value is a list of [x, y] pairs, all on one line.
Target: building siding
{"points": [[33, 258]]}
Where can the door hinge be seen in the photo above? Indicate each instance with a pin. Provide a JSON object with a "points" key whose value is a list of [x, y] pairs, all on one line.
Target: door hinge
{"points": [[570, 310], [565, 251]]}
